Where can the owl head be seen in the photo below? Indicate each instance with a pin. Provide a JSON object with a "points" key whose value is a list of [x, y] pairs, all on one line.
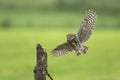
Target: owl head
{"points": [[70, 37]]}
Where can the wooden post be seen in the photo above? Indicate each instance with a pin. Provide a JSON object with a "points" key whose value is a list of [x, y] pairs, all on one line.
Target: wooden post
{"points": [[40, 70]]}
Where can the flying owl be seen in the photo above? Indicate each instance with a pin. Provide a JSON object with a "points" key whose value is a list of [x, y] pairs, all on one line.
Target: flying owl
{"points": [[75, 41]]}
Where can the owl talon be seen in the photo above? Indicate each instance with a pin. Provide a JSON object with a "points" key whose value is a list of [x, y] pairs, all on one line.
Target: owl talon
{"points": [[78, 54], [85, 49]]}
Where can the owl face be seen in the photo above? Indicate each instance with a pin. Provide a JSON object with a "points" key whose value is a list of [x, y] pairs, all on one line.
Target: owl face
{"points": [[70, 37]]}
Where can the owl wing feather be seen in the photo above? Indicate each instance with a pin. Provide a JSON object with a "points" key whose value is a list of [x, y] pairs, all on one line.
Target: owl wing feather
{"points": [[87, 26], [62, 49]]}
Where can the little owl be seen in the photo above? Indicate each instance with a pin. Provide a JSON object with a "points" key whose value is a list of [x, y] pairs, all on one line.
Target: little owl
{"points": [[75, 41]]}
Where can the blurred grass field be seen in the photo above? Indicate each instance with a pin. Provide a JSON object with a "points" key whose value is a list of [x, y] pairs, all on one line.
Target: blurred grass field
{"points": [[17, 55], [54, 19]]}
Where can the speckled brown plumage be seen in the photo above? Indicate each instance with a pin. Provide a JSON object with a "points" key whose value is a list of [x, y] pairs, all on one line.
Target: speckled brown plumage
{"points": [[75, 41]]}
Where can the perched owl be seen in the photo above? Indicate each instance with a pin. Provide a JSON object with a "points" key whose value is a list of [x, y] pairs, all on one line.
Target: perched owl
{"points": [[74, 41]]}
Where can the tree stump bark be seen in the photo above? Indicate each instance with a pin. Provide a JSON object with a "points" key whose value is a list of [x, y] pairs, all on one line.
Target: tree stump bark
{"points": [[40, 70]]}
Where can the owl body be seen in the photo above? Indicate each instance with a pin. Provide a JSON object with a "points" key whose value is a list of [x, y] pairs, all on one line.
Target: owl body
{"points": [[74, 41]]}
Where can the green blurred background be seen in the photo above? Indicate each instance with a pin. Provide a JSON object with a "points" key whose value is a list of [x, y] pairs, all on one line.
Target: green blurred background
{"points": [[24, 23]]}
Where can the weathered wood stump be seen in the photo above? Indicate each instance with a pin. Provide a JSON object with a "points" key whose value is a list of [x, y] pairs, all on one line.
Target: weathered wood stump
{"points": [[40, 70]]}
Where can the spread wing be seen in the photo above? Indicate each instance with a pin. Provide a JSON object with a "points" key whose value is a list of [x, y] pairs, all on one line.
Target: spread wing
{"points": [[87, 26], [62, 49]]}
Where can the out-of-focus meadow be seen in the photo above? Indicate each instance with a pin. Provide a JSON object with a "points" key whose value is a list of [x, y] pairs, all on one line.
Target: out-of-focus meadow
{"points": [[25, 23]]}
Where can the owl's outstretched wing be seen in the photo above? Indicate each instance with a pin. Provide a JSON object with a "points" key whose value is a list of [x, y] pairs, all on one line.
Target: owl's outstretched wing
{"points": [[87, 26], [62, 49]]}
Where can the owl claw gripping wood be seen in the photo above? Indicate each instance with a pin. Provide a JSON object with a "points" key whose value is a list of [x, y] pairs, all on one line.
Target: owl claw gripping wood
{"points": [[74, 41]]}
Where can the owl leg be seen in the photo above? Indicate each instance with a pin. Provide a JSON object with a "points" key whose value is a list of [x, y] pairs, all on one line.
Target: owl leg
{"points": [[85, 49], [81, 50], [78, 51]]}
